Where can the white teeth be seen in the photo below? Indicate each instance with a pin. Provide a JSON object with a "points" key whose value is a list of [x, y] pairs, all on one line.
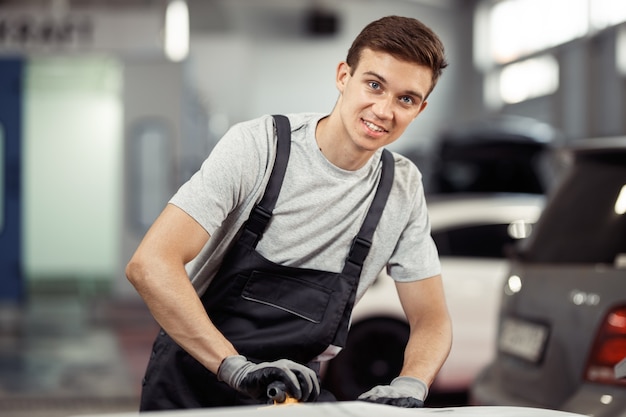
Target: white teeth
{"points": [[373, 126]]}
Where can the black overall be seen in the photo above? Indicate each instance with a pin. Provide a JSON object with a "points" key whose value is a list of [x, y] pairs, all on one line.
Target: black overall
{"points": [[267, 311]]}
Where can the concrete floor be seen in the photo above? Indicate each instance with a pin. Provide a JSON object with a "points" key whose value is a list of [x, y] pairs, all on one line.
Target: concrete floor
{"points": [[60, 356]]}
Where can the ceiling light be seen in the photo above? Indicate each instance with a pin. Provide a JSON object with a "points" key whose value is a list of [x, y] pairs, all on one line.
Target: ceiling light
{"points": [[177, 30]]}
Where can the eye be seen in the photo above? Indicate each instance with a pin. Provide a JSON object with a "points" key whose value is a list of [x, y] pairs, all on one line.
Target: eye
{"points": [[408, 100], [374, 85]]}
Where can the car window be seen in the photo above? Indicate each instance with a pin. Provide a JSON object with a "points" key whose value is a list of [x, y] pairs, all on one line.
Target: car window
{"points": [[582, 221], [481, 240], [490, 168]]}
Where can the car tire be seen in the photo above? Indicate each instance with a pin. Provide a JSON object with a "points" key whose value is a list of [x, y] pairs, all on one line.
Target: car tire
{"points": [[373, 355]]}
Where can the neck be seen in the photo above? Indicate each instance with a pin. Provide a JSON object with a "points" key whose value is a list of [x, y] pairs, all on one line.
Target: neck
{"points": [[334, 143]]}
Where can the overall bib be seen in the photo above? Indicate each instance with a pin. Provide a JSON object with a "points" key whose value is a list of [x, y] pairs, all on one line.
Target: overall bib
{"points": [[266, 310]]}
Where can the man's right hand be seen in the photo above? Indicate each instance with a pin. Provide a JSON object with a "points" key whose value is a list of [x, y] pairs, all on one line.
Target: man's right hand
{"points": [[253, 379]]}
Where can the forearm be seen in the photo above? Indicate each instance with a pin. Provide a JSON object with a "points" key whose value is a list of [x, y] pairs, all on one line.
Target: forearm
{"points": [[430, 338], [174, 304], [428, 347]]}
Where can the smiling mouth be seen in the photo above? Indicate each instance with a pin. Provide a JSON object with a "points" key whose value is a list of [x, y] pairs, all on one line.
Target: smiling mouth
{"points": [[374, 127]]}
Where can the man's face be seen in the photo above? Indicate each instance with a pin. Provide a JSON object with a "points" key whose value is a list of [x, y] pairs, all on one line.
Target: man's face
{"points": [[380, 98]]}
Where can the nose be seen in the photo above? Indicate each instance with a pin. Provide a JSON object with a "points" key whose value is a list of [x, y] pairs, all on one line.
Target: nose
{"points": [[382, 108]]}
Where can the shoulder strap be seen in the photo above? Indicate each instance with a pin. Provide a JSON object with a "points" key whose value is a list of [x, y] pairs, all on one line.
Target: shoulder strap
{"points": [[262, 212], [363, 240]]}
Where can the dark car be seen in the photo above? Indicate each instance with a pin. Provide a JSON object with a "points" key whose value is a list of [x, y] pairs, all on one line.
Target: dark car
{"points": [[562, 320], [509, 154]]}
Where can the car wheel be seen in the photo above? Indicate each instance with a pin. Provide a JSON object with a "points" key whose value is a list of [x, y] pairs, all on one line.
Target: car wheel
{"points": [[373, 355]]}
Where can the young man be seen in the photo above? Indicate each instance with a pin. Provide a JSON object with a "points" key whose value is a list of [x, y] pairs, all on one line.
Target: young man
{"points": [[251, 296]]}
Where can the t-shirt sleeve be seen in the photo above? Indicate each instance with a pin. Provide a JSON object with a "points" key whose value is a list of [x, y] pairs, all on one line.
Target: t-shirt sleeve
{"points": [[415, 256], [226, 178]]}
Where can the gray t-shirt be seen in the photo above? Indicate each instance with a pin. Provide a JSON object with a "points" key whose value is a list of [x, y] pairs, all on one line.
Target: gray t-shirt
{"points": [[319, 210]]}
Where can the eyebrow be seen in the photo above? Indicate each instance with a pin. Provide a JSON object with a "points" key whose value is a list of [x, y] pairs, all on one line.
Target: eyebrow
{"points": [[384, 81]]}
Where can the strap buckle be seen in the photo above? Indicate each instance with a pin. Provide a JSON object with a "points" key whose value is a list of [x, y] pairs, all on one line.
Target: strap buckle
{"points": [[257, 222], [358, 250]]}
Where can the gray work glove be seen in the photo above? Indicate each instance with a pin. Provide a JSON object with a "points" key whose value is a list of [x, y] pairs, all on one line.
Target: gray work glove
{"points": [[252, 379], [404, 391]]}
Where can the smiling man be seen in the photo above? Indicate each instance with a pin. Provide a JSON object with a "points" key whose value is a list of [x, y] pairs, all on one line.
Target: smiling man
{"points": [[380, 95], [253, 267]]}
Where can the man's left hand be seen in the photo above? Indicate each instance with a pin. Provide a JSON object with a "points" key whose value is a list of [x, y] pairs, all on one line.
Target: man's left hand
{"points": [[404, 391]]}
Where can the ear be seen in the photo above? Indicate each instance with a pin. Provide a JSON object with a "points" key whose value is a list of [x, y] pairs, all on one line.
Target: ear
{"points": [[422, 107], [342, 76]]}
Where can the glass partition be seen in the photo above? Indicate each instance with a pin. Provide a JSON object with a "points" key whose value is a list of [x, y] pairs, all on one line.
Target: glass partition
{"points": [[151, 171]]}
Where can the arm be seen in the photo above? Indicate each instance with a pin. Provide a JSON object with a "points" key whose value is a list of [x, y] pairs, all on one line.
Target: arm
{"points": [[430, 339], [428, 346], [157, 271]]}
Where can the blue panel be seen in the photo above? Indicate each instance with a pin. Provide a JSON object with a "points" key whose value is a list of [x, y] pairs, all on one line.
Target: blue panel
{"points": [[11, 281]]}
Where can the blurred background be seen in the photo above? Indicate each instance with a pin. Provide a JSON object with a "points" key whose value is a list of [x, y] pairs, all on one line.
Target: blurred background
{"points": [[107, 106]]}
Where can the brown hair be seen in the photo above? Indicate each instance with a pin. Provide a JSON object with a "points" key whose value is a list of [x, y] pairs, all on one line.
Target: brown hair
{"points": [[405, 38]]}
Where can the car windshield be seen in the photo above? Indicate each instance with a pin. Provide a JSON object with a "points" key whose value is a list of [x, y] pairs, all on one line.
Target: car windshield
{"points": [[584, 222]]}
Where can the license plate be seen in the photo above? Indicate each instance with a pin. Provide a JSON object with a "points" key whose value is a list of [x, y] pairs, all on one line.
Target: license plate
{"points": [[523, 339]]}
